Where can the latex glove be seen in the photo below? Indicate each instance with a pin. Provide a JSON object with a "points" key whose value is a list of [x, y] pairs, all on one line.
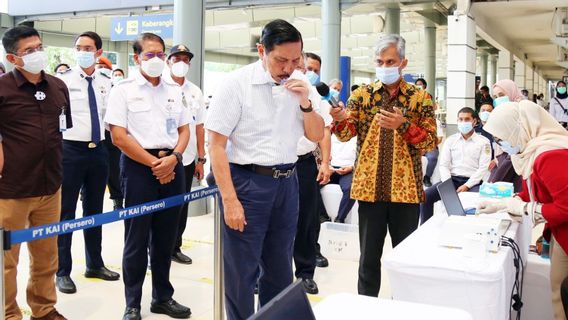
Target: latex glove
{"points": [[491, 206], [516, 208]]}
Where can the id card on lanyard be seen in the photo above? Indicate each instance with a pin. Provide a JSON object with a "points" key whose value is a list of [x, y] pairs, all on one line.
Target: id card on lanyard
{"points": [[171, 123], [62, 120]]}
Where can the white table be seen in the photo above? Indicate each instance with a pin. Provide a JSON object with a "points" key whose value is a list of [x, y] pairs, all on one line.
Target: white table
{"points": [[421, 271], [343, 306], [537, 295]]}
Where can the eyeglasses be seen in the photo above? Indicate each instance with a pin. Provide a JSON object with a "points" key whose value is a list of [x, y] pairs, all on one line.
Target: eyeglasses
{"points": [[39, 48], [150, 55]]}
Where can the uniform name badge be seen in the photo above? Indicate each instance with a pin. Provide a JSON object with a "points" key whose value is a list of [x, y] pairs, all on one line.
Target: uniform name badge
{"points": [[62, 120], [171, 125]]}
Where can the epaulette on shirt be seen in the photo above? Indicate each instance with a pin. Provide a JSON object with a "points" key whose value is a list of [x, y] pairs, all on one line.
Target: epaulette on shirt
{"points": [[104, 75], [123, 81]]}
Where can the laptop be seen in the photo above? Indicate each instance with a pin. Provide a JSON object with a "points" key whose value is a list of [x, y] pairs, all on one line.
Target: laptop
{"points": [[451, 200], [290, 304]]}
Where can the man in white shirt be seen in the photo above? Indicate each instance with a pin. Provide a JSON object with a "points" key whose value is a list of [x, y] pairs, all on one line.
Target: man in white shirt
{"points": [[464, 158], [149, 124], [179, 61], [255, 120], [85, 159], [308, 177]]}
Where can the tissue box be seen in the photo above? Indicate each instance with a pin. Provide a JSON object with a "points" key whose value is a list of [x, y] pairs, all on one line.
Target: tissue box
{"points": [[496, 190]]}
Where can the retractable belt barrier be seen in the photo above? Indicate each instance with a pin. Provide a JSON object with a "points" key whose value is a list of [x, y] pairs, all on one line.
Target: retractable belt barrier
{"points": [[9, 238]]}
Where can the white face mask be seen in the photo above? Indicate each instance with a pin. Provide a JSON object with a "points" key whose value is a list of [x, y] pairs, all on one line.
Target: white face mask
{"points": [[386, 75], [117, 79], [35, 62], [153, 67], [180, 69]]}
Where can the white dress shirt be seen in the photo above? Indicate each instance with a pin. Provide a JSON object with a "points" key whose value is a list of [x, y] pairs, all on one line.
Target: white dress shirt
{"points": [[75, 79], [144, 110], [263, 122], [196, 104], [304, 144], [343, 154], [466, 158], [555, 109]]}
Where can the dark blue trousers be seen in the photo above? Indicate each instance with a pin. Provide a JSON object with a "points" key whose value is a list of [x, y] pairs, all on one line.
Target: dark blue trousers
{"points": [[432, 157], [308, 218], [155, 231], [346, 204], [86, 168], [432, 195], [263, 251]]}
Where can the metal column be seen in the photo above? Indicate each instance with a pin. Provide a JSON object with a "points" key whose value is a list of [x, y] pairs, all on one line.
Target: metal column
{"points": [[430, 56], [189, 29], [331, 43]]}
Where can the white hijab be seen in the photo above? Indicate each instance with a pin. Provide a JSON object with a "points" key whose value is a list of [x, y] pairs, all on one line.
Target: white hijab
{"points": [[527, 125]]}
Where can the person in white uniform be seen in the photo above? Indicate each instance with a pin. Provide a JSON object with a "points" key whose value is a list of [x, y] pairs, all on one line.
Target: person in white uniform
{"points": [[85, 159], [149, 124], [559, 104], [179, 62], [465, 159], [255, 120]]}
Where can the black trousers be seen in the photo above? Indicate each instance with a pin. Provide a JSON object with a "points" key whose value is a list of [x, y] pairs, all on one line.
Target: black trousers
{"points": [[308, 219], [188, 170], [156, 232], [564, 295], [113, 181], [401, 219], [87, 169]]}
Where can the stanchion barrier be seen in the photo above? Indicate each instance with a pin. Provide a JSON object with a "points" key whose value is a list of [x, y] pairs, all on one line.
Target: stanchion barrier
{"points": [[9, 238]]}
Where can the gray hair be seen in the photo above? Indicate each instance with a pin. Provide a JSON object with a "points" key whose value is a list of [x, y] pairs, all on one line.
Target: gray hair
{"points": [[332, 82], [388, 40]]}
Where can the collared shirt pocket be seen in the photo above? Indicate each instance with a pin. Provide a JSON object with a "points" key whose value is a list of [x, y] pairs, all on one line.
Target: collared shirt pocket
{"points": [[77, 94], [139, 113]]}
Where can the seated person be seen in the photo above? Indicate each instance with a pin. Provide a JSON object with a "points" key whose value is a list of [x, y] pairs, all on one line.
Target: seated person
{"points": [[342, 160], [464, 158], [496, 151]]}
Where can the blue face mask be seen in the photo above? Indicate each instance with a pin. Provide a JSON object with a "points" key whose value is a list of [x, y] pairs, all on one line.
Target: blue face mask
{"points": [[561, 90], [484, 115], [313, 77], [508, 148], [465, 127], [500, 100], [85, 59], [387, 75], [334, 93]]}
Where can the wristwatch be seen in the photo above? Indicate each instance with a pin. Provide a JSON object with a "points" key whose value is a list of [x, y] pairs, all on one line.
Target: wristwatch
{"points": [[202, 160], [178, 156], [308, 109]]}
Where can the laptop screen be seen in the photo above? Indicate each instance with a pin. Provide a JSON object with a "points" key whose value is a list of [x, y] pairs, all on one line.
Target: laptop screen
{"points": [[291, 303], [450, 198]]}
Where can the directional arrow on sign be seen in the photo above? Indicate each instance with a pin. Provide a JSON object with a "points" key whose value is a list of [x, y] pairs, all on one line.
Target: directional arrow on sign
{"points": [[118, 29]]}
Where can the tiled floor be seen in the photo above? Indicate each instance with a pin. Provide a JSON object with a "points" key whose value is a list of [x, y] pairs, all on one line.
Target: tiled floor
{"points": [[98, 300]]}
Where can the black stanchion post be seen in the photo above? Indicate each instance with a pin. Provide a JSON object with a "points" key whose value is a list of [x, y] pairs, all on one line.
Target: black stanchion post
{"points": [[4, 246], [218, 309]]}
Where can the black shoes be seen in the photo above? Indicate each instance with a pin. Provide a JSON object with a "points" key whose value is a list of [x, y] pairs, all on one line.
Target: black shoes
{"points": [[102, 273], [179, 257], [117, 204], [321, 261], [310, 286], [171, 308], [427, 182], [131, 314], [65, 285]]}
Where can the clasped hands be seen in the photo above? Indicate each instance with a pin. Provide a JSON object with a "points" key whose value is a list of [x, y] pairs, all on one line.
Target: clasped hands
{"points": [[163, 168]]}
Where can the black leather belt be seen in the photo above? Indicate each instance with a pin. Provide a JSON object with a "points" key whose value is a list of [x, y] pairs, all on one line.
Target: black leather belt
{"points": [[159, 153], [268, 171], [305, 156]]}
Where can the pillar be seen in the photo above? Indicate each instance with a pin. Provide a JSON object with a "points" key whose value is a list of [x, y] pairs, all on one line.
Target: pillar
{"points": [[189, 28], [6, 22], [492, 70], [461, 67], [392, 21], [483, 57], [529, 83], [520, 74], [506, 65], [430, 56], [331, 43]]}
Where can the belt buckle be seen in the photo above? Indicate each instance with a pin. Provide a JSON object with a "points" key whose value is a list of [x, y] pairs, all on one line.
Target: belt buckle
{"points": [[277, 174], [162, 153], [92, 145]]}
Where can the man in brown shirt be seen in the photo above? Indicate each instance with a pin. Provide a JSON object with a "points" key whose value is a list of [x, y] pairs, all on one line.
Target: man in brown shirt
{"points": [[34, 109]]}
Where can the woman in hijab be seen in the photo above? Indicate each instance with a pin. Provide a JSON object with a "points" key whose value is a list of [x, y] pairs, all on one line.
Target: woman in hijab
{"points": [[559, 104], [504, 91], [538, 146]]}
